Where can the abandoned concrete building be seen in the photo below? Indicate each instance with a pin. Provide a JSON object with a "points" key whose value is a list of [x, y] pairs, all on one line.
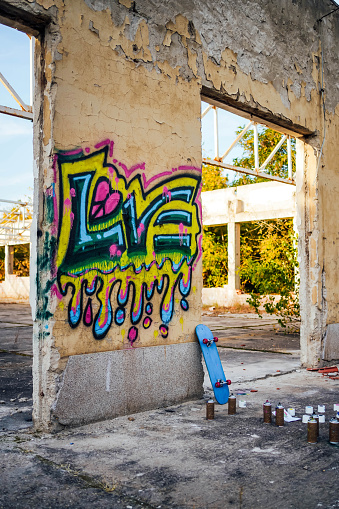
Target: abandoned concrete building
{"points": [[116, 274]]}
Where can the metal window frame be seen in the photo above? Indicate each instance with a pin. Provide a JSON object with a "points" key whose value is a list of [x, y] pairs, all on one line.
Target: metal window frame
{"points": [[258, 170]]}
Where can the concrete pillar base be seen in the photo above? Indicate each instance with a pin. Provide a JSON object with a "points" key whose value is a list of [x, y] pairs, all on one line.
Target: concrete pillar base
{"points": [[105, 385]]}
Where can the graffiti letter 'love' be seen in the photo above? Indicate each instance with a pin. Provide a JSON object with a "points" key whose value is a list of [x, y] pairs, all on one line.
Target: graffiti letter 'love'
{"points": [[136, 235]]}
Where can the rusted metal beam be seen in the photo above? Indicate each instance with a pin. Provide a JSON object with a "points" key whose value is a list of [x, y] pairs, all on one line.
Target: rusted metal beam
{"points": [[246, 171], [6, 110], [22, 203], [14, 94], [274, 151]]}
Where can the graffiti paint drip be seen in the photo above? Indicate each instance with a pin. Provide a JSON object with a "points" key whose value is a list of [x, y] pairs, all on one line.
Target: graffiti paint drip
{"points": [[88, 314], [132, 335], [132, 289], [166, 194]]}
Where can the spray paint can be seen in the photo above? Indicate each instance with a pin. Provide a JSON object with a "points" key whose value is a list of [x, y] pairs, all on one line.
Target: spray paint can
{"points": [[267, 409], [279, 415], [210, 409], [334, 431], [312, 431], [316, 417], [232, 405]]}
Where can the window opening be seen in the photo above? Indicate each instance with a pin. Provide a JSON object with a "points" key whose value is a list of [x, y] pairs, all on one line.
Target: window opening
{"points": [[249, 242], [16, 136], [16, 171], [221, 154]]}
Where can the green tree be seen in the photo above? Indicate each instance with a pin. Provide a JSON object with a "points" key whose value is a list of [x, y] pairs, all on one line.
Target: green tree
{"points": [[21, 260], [273, 271], [267, 256], [215, 259], [2, 263], [21, 251], [212, 178]]}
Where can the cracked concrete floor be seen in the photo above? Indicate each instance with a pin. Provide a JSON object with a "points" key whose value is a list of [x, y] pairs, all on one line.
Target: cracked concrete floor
{"points": [[173, 457]]}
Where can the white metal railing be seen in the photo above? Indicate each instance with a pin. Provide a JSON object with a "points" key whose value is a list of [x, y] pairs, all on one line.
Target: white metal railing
{"points": [[258, 170], [15, 223]]}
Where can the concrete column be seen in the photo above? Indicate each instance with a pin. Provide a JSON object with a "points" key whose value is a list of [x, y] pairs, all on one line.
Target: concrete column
{"points": [[9, 260], [233, 256], [295, 244]]}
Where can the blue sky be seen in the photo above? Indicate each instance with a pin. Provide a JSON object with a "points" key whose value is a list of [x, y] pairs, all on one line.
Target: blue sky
{"points": [[16, 151], [228, 123]]}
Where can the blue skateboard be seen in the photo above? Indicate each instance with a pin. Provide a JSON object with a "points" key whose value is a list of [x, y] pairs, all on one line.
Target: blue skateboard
{"points": [[213, 363]]}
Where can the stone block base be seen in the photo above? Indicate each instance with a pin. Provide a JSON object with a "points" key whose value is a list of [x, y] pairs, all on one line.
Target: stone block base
{"points": [[105, 385]]}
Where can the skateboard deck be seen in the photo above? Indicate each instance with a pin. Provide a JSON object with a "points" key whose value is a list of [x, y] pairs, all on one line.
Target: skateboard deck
{"points": [[213, 363]]}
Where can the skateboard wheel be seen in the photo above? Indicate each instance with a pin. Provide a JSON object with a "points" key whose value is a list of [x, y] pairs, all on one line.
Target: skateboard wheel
{"points": [[217, 384], [228, 382], [216, 340], [205, 341]]}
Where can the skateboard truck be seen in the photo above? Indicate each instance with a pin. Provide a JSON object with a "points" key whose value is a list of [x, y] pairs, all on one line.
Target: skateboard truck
{"points": [[221, 383], [208, 342]]}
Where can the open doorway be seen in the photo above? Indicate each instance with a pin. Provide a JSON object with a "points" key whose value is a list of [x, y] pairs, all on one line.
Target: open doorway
{"points": [[16, 210], [250, 266]]}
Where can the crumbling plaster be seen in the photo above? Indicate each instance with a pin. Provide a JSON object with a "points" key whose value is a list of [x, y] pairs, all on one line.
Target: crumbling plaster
{"points": [[135, 70]]}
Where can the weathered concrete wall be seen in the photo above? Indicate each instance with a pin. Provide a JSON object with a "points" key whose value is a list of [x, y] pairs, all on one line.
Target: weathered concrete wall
{"points": [[118, 153], [221, 296], [14, 288]]}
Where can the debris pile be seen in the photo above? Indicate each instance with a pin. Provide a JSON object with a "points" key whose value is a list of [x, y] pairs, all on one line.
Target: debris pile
{"points": [[332, 372]]}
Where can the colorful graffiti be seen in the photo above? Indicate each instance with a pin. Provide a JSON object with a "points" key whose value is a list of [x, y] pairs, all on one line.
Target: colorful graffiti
{"points": [[121, 231]]}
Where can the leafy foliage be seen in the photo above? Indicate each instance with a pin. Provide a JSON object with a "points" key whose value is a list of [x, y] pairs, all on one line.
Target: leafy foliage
{"points": [[21, 260], [269, 266], [21, 251], [269, 263], [2, 263], [212, 178], [267, 256], [287, 308], [215, 259]]}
